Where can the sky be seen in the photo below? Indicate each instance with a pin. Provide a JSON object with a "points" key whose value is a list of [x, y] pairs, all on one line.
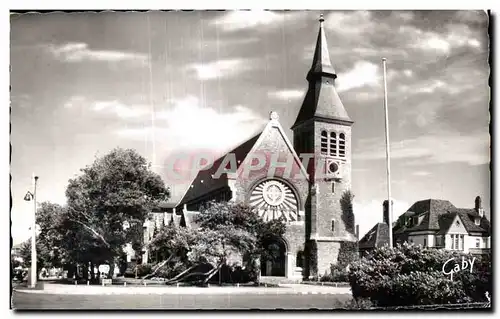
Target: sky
{"points": [[83, 84]]}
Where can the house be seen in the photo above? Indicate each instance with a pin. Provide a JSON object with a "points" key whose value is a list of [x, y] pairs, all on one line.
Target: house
{"points": [[376, 237], [438, 223]]}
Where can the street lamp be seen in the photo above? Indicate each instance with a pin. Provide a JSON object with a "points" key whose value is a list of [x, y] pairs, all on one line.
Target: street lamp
{"points": [[32, 196]]}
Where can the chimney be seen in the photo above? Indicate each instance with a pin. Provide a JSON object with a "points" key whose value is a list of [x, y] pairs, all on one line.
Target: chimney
{"points": [[386, 212], [357, 232], [478, 206]]}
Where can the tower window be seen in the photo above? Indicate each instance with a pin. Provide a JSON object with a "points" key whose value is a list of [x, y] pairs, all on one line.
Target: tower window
{"points": [[324, 142], [333, 187], [342, 145], [333, 224], [333, 144]]}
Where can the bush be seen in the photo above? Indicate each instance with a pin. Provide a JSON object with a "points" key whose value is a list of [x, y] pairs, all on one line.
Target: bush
{"points": [[338, 273], [170, 270], [144, 269], [348, 253], [359, 304], [412, 275]]}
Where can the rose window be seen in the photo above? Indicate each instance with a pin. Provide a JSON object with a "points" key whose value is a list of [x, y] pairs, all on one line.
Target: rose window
{"points": [[274, 199]]}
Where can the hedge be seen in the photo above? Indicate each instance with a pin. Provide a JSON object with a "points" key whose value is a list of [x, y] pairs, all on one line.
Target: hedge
{"points": [[412, 275]]}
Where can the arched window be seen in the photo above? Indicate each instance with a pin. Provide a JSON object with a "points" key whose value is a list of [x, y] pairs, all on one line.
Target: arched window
{"points": [[324, 142], [333, 144], [342, 145]]}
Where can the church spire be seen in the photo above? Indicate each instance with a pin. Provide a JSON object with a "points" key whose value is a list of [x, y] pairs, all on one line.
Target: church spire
{"points": [[321, 61], [322, 102]]}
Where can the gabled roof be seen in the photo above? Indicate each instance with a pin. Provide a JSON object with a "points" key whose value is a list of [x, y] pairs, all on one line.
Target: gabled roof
{"points": [[204, 183], [167, 205], [468, 217], [433, 209], [378, 236], [438, 215]]}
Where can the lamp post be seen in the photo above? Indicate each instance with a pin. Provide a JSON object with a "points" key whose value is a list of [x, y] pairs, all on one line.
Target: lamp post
{"points": [[32, 196]]}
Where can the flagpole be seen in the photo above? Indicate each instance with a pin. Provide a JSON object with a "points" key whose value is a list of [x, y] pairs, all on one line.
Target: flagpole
{"points": [[387, 153]]}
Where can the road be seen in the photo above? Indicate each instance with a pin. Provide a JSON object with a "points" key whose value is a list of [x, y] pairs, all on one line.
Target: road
{"points": [[252, 301]]}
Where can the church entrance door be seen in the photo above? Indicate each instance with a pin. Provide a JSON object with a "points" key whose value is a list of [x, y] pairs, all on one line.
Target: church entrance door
{"points": [[274, 258]]}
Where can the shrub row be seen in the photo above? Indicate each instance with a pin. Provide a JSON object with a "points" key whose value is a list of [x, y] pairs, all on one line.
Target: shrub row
{"points": [[412, 275]]}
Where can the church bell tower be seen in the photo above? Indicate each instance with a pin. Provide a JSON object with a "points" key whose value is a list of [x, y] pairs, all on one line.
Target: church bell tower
{"points": [[323, 128]]}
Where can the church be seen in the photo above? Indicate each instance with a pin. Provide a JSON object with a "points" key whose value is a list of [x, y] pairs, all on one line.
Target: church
{"points": [[309, 199]]}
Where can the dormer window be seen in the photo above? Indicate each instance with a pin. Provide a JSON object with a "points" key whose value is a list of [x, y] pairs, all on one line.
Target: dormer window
{"points": [[477, 221]]}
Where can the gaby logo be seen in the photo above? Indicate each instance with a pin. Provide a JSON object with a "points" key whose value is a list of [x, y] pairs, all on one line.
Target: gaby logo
{"points": [[450, 268]]}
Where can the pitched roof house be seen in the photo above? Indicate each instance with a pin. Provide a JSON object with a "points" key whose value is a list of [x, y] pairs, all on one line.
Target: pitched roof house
{"points": [[435, 223], [438, 223]]}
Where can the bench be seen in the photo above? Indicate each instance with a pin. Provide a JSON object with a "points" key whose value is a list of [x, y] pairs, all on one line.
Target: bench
{"points": [[106, 282]]}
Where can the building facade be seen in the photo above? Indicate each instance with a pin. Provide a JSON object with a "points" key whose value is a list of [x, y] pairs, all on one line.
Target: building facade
{"points": [[438, 223], [435, 223], [272, 175]]}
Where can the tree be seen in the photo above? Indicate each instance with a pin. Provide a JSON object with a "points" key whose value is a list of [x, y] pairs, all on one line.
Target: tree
{"points": [[117, 188], [49, 238], [224, 229], [232, 228], [50, 218], [347, 211]]}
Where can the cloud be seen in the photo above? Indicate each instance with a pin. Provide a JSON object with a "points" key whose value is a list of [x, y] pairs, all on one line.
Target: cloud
{"points": [[350, 23], [120, 109], [367, 214], [424, 86], [442, 148], [287, 94], [242, 19], [363, 73], [220, 68], [421, 173], [408, 72], [188, 125], [21, 100], [78, 52], [454, 36], [75, 101], [113, 107]]}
